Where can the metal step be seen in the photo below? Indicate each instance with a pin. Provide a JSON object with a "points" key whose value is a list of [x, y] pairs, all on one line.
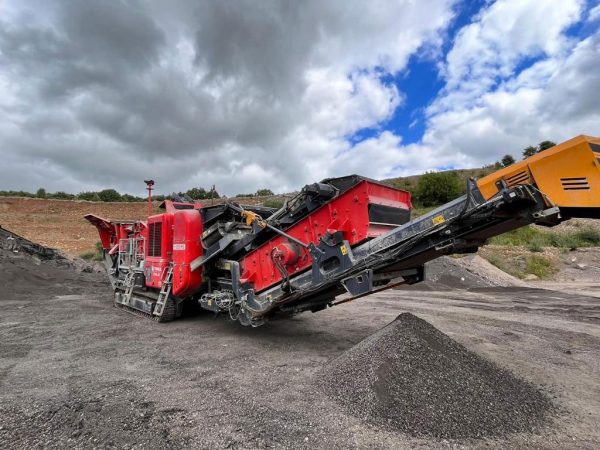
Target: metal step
{"points": [[165, 292]]}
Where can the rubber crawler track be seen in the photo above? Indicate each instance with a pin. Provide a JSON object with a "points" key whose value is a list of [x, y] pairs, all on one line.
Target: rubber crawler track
{"points": [[167, 316]]}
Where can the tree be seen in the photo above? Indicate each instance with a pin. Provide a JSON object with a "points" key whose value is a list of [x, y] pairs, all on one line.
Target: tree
{"points": [[16, 194], [89, 196], [264, 192], [131, 198], [529, 151], [197, 193], [507, 160], [435, 188], [273, 203], [60, 195], [109, 195], [41, 193], [545, 145]]}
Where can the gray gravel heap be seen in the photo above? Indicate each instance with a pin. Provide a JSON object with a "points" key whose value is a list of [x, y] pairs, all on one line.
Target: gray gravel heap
{"points": [[412, 377]]}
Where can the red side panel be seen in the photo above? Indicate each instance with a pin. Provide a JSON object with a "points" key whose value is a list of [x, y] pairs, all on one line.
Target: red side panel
{"points": [[349, 213], [187, 246]]}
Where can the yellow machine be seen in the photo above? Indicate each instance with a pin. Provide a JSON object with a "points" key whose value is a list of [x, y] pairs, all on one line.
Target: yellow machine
{"points": [[568, 176]]}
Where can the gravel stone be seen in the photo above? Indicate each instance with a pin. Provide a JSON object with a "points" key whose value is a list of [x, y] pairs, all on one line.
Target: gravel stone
{"points": [[411, 377]]}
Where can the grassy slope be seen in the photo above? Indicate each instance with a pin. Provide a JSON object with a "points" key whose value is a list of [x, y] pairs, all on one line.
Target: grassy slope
{"points": [[540, 251]]}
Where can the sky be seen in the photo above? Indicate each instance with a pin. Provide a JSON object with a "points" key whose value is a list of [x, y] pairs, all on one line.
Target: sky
{"points": [[276, 94]]}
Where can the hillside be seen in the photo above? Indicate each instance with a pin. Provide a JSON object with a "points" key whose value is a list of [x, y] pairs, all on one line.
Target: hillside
{"points": [[411, 182], [60, 223]]}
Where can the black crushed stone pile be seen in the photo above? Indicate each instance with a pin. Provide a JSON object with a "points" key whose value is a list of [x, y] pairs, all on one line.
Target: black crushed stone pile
{"points": [[411, 377], [13, 242], [28, 268]]}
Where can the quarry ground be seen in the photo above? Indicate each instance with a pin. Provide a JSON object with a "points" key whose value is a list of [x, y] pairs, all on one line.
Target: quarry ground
{"points": [[77, 373]]}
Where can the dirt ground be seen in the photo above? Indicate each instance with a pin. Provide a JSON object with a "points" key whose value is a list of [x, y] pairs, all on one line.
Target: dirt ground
{"points": [[60, 223], [77, 373]]}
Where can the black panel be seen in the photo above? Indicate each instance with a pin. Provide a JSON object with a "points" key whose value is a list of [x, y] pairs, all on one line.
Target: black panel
{"points": [[139, 280], [388, 214], [595, 147], [155, 239], [344, 183], [212, 213], [584, 213]]}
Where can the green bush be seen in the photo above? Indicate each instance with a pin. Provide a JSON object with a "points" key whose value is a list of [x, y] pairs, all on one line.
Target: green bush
{"points": [[16, 194], [89, 196], [531, 150], [273, 203], [436, 188], [522, 237], [199, 193], [536, 245], [590, 236], [60, 195], [567, 240], [540, 266], [109, 195], [535, 239], [537, 265], [131, 198], [88, 256], [96, 255], [507, 160], [508, 267]]}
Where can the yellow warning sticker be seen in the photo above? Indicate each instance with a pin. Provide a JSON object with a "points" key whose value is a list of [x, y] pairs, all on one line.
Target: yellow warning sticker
{"points": [[344, 249], [438, 219]]}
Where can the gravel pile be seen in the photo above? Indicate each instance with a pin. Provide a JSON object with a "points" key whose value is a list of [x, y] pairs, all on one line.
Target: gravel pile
{"points": [[411, 377], [13, 246], [467, 272]]}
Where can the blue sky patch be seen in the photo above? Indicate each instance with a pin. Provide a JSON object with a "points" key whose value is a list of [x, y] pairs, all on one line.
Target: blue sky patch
{"points": [[419, 83]]}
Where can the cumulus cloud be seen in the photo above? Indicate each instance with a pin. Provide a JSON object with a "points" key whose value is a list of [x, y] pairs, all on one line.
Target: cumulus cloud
{"points": [[494, 103], [238, 94], [246, 94], [513, 77]]}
